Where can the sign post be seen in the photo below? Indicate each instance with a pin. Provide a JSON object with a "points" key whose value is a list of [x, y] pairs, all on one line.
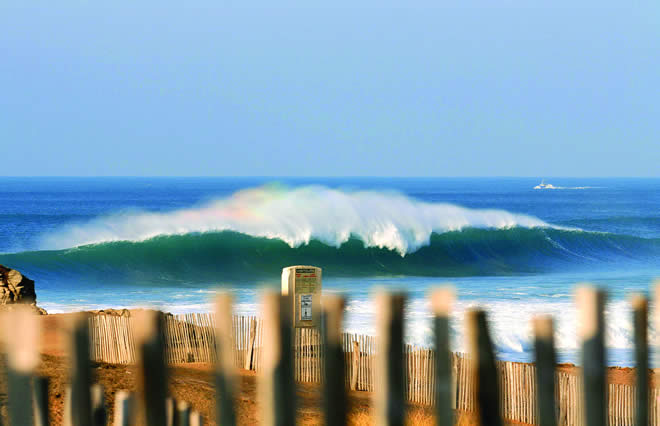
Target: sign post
{"points": [[302, 284]]}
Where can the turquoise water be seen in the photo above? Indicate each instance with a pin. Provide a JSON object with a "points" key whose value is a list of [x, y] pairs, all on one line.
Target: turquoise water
{"points": [[517, 251]]}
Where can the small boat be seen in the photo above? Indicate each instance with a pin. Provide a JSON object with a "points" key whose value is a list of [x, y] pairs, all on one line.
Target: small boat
{"points": [[544, 185]]}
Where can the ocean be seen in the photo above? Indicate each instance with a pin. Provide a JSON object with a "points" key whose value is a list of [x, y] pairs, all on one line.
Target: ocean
{"points": [[93, 243]]}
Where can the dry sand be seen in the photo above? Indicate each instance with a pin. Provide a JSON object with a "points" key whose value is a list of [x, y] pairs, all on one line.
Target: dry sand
{"points": [[194, 384]]}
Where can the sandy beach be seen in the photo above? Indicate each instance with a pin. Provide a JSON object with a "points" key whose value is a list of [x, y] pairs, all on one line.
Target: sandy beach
{"points": [[193, 382]]}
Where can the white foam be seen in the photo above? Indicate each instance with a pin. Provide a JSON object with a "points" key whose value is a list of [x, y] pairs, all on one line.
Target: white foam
{"points": [[509, 320], [510, 323], [380, 219]]}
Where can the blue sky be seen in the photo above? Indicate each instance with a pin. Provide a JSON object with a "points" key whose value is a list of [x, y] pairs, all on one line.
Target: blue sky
{"points": [[466, 88]]}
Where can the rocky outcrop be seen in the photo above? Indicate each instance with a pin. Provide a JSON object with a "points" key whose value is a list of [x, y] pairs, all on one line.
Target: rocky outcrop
{"points": [[17, 288]]}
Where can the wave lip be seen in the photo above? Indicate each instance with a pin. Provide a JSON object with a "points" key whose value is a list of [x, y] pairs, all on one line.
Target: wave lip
{"points": [[380, 219]]}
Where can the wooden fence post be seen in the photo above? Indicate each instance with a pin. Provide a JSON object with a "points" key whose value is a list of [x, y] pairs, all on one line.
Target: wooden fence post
{"points": [[40, 399], [196, 419], [334, 389], [99, 413], [484, 368], [591, 304], [224, 363], [22, 330], [250, 349], [276, 389], [640, 320], [183, 414], [441, 302], [124, 409], [355, 364], [150, 342], [390, 367], [546, 361], [80, 372], [171, 418]]}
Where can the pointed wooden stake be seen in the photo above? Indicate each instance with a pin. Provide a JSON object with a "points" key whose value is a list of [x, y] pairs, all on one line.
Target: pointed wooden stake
{"points": [[390, 365], [546, 361], [183, 414], [640, 307], [334, 388], [80, 373], [225, 369], [99, 413], [591, 305], [276, 388], [124, 409], [442, 301], [356, 362], [196, 419], [249, 361], [149, 329], [22, 328], [40, 395], [484, 368], [171, 418]]}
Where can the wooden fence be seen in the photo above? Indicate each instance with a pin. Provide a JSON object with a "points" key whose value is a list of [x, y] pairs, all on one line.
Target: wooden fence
{"points": [[394, 372], [111, 339], [190, 338]]}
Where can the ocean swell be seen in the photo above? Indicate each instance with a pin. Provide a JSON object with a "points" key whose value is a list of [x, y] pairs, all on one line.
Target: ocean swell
{"points": [[255, 232], [222, 256]]}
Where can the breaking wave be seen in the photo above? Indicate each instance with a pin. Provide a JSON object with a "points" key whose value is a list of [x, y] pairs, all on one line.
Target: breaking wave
{"points": [[227, 255], [298, 216], [348, 233]]}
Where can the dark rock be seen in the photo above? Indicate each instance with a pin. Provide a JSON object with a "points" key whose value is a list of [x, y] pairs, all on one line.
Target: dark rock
{"points": [[17, 288]]}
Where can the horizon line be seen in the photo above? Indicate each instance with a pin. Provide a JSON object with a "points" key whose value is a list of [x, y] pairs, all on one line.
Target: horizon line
{"points": [[320, 177]]}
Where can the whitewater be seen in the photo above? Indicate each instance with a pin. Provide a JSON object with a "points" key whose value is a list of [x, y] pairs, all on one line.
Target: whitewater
{"points": [[171, 243]]}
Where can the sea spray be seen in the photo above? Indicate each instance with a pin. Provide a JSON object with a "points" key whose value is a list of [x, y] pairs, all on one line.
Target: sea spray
{"points": [[382, 219]]}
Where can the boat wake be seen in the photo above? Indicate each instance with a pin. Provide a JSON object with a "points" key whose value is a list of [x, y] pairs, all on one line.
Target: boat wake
{"points": [[544, 185]]}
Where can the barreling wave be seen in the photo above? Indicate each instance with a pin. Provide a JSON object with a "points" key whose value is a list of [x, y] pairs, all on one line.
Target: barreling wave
{"points": [[298, 216], [217, 257]]}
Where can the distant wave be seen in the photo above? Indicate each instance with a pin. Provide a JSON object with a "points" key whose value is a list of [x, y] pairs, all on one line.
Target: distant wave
{"points": [[298, 216], [637, 225]]}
